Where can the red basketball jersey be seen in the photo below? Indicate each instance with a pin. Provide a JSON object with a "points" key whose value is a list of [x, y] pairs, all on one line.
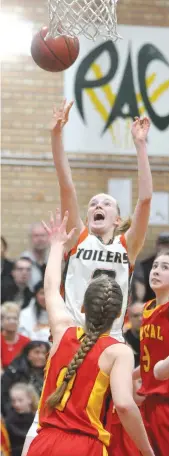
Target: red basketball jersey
{"points": [[4, 442], [83, 406], [154, 345]]}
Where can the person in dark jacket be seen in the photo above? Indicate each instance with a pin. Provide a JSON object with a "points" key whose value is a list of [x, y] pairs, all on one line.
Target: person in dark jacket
{"points": [[132, 334], [15, 286], [27, 368], [6, 265], [24, 402]]}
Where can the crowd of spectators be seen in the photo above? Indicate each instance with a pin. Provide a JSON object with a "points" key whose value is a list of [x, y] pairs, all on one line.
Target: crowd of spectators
{"points": [[24, 335], [25, 330]]}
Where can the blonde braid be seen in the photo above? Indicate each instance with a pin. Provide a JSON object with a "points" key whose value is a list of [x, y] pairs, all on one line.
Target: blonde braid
{"points": [[86, 345], [102, 301]]}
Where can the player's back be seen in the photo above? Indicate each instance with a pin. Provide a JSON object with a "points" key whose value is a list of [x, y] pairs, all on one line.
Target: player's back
{"points": [[154, 345], [83, 406]]}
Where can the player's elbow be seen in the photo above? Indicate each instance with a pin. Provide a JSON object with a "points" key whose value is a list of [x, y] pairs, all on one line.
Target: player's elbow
{"points": [[123, 407]]}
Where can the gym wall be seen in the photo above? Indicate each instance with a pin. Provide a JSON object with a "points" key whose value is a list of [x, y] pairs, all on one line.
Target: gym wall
{"points": [[29, 184]]}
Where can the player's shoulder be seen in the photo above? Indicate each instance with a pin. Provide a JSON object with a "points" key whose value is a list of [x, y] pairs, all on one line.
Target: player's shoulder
{"points": [[121, 356], [120, 349], [120, 239], [151, 308], [81, 238], [73, 333], [62, 340]]}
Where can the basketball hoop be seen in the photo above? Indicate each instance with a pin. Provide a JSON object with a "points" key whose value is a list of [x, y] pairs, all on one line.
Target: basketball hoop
{"points": [[91, 18]]}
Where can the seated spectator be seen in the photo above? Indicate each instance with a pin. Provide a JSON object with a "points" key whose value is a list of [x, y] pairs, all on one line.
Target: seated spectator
{"points": [[33, 321], [162, 244], [27, 368], [24, 402], [132, 335], [5, 443], [38, 253], [6, 265], [12, 343], [15, 288]]}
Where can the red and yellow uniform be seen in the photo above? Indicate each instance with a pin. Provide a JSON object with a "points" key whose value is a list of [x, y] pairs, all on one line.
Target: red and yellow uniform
{"points": [[154, 345], [121, 443], [75, 426], [5, 443]]}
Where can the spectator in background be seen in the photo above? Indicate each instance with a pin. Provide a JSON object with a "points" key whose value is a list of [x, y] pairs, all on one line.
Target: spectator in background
{"points": [[15, 288], [6, 265], [132, 335], [27, 368], [162, 244], [138, 289], [38, 253], [12, 343], [24, 402], [33, 321]]}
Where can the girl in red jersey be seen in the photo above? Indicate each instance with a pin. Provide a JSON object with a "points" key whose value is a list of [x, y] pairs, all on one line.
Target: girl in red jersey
{"points": [[83, 365], [154, 340]]}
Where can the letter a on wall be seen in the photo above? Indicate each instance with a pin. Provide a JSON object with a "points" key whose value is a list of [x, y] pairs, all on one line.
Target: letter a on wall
{"points": [[111, 83]]}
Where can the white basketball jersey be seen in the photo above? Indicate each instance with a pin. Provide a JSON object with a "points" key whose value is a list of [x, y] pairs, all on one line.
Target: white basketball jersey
{"points": [[90, 255]]}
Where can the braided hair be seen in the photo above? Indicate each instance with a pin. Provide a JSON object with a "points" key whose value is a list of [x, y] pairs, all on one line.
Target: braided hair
{"points": [[102, 304]]}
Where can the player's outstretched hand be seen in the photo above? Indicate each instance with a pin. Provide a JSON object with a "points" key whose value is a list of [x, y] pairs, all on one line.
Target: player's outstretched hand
{"points": [[60, 117], [57, 228], [140, 129]]}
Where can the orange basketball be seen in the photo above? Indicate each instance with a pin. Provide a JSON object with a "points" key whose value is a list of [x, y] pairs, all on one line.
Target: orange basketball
{"points": [[54, 54]]}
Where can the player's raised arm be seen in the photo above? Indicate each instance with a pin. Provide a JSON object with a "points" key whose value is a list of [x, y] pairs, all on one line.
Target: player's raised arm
{"points": [[135, 235], [58, 237], [122, 393], [68, 195]]}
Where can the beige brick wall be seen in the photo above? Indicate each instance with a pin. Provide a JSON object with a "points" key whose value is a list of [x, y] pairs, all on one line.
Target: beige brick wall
{"points": [[29, 188]]}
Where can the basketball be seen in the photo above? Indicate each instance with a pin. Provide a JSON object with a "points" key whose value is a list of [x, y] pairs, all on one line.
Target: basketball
{"points": [[54, 54]]}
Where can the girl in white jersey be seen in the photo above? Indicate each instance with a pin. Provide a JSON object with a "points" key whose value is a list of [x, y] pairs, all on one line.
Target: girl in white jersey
{"points": [[96, 245]]}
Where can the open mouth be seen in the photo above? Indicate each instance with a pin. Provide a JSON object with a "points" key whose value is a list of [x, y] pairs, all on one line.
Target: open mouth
{"points": [[98, 216]]}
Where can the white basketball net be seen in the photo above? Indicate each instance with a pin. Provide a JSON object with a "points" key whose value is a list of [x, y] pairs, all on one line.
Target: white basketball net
{"points": [[91, 18]]}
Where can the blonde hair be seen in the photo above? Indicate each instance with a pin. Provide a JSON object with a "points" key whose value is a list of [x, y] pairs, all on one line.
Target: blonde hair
{"points": [[124, 224], [10, 306], [30, 391]]}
